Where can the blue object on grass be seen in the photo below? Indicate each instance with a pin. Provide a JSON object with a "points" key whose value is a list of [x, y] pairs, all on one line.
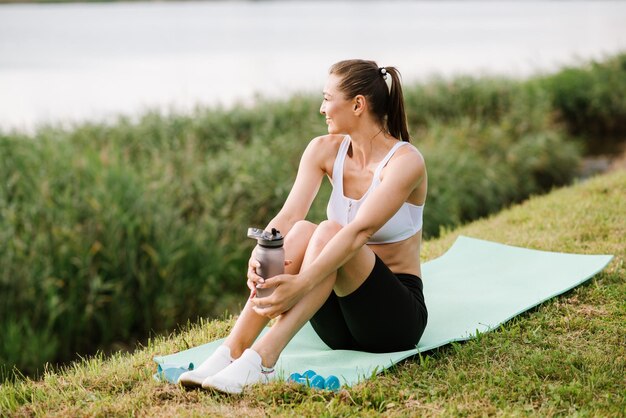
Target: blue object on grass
{"points": [[313, 380], [294, 377], [170, 372], [317, 382], [332, 383]]}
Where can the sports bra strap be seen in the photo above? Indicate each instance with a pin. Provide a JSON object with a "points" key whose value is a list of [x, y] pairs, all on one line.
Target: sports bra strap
{"points": [[339, 160], [385, 160]]}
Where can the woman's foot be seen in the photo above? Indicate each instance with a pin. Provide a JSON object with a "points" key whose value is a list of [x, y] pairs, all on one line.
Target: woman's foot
{"points": [[215, 363], [241, 373]]}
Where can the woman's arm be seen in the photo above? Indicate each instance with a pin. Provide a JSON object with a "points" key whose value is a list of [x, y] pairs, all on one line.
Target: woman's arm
{"points": [[305, 188], [404, 173], [308, 180]]}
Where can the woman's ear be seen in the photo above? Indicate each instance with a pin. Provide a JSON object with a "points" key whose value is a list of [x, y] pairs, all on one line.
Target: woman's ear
{"points": [[359, 104]]}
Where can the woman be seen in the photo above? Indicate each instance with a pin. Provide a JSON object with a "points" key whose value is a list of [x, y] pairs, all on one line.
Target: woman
{"points": [[356, 276]]}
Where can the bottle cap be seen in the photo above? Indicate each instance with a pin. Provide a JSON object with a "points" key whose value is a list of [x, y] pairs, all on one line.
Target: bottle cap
{"points": [[266, 238]]}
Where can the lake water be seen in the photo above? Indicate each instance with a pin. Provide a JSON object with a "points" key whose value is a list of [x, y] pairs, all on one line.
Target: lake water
{"points": [[71, 62]]}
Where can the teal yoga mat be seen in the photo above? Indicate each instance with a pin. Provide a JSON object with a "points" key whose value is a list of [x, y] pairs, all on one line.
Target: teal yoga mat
{"points": [[474, 287]]}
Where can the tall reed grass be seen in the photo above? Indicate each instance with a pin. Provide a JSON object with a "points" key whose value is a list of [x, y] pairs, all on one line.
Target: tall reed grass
{"points": [[590, 101]]}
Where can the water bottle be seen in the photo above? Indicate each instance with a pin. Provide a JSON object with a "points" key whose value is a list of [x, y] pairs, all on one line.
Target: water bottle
{"points": [[270, 254]]}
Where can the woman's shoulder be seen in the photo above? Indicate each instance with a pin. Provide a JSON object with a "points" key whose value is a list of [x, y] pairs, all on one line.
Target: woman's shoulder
{"points": [[322, 151], [326, 145], [407, 159], [328, 140], [409, 154]]}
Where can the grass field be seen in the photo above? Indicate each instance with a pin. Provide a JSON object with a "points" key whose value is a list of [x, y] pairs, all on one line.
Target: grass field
{"points": [[565, 357]]}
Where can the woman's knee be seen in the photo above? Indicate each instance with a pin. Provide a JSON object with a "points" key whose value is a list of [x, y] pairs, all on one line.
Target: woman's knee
{"points": [[330, 227], [296, 244], [300, 231], [325, 231]]}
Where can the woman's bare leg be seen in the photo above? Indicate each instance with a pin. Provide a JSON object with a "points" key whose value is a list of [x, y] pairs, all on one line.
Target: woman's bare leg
{"points": [[249, 324], [349, 278]]}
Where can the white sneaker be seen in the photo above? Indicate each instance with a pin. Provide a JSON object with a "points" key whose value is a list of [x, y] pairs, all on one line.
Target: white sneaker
{"points": [[215, 363], [243, 372]]}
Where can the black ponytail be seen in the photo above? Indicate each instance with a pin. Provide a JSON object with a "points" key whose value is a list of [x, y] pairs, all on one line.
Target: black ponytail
{"points": [[396, 118]]}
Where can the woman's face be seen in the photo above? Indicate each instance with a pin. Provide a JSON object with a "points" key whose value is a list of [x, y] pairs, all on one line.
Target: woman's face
{"points": [[338, 111]]}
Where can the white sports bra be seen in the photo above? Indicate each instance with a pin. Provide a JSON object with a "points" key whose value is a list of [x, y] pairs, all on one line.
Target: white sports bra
{"points": [[405, 223]]}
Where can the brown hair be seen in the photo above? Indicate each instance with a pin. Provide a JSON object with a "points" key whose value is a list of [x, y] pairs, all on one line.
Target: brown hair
{"points": [[365, 78]]}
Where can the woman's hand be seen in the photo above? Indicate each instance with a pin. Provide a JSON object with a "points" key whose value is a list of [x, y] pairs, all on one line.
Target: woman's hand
{"points": [[253, 277], [288, 290]]}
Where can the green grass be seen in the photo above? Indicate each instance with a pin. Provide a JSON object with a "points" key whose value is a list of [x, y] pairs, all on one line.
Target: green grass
{"points": [[565, 357]]}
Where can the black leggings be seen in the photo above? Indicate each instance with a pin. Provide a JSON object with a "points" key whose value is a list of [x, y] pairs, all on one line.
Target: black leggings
{"points": [[386, 313]]}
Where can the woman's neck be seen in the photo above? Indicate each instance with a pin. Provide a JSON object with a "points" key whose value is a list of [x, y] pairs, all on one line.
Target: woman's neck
{"points": [[368, 143]]}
